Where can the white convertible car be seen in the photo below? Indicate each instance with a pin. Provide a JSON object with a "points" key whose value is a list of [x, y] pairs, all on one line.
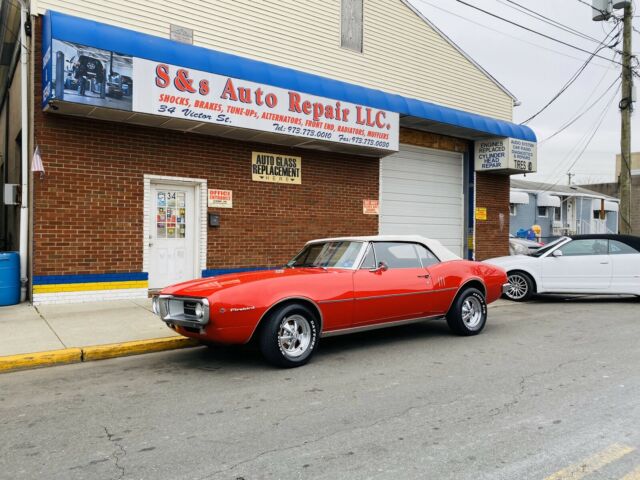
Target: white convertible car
{"points": [[580, 264]]}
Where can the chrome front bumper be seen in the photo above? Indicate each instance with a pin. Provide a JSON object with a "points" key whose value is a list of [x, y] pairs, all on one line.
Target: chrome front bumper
{"points": [[182, 311], [506, 287]]}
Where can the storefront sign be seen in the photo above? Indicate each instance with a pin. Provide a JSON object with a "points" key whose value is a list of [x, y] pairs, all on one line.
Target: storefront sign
{"points": [[220, 198], [271, 167], [481, 213], [103, 78], [370, 207], [508, 155]]}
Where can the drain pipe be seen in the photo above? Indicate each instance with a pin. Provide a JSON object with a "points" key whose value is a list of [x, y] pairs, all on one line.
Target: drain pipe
{"points": [[24, 148]]}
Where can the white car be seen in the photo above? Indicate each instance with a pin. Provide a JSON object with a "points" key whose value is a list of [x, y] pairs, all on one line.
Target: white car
{"points": [[580, 264]]}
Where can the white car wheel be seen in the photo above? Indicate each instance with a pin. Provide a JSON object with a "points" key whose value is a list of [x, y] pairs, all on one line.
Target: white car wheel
{"points": [[520, 287]]}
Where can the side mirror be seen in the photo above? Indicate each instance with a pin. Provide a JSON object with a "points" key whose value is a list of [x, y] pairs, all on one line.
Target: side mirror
{"points": [[382, 267], [557, 253]]}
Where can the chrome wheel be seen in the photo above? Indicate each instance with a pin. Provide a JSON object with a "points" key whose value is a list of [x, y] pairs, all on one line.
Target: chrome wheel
{"points": [[518, 287], [472, 312], [294, 335]]}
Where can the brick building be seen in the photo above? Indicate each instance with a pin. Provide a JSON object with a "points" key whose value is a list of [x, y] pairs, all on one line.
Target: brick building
{"points": [[223, 143]]}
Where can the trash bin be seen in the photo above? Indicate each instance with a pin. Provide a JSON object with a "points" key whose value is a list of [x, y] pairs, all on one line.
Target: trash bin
{"points": [[9, 278]]}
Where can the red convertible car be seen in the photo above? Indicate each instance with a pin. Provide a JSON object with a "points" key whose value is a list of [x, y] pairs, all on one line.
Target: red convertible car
{"points": [[332, 287]]}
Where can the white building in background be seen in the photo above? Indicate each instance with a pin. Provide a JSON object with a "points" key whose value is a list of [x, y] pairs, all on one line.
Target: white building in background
{"points": [[561, 209]]}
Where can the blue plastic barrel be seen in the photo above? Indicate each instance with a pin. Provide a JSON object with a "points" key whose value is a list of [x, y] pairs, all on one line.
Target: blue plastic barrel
{"points": [[9, 278]]}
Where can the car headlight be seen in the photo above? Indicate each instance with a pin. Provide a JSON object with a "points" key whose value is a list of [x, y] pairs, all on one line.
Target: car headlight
{"points": [[199, 310], [155, 305]]}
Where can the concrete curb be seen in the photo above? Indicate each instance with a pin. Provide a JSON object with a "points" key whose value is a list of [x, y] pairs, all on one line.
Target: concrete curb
{"points": [[51, 358]]}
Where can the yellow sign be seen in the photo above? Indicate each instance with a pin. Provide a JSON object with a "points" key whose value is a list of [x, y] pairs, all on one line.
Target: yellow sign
{"points": [[481, 213], [271, 167], [370, 207]]}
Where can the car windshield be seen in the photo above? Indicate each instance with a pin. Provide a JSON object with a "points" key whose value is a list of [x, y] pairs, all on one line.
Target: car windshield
{"points": [[338, 254], [542, 250]]}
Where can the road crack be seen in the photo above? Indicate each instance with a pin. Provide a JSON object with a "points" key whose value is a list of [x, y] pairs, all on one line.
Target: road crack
{"points": [[522, 386], [118, 454]]}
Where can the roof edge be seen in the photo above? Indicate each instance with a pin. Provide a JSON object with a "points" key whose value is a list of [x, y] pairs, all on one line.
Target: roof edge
{"points": [[460, 50]]}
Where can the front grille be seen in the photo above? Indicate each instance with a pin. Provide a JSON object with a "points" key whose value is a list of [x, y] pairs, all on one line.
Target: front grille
{"points": [[182, 311], [190, 308]]}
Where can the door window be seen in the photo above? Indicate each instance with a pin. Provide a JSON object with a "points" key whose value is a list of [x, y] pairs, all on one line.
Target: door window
{"points": [[426, 256], [619, 248], [170, 214], [397, 255], [591, 246], [369, 261]]}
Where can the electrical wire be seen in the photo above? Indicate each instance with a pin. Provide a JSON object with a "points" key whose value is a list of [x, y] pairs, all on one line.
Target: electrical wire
{"points": [[500, 32], [579, 116], [538, 16], [590, 135], [575, 76], [549, 37]]}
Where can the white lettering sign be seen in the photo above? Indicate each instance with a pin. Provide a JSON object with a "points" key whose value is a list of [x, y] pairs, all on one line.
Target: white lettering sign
{"points": [[178, 92], [506, 154]]}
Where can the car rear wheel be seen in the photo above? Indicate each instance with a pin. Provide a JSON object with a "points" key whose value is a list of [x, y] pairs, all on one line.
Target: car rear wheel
{"points": [[468, 314], [289, 336], [520, 287]]}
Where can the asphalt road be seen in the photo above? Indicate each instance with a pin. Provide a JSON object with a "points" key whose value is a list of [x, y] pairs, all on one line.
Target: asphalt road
{"points": [[551, 389]]}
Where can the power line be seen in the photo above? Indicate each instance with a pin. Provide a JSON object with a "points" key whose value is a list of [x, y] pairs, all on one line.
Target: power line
{"points": [[550, 21], [534, 31], [579, 116], [574, 77], [584, 148], [500, 32]]}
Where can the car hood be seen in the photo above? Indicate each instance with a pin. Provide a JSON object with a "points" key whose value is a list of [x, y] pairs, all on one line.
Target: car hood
{"points": [[203, 287], [511, 261]]}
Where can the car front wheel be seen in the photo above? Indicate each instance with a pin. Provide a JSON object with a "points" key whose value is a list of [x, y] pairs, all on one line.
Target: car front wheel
{"points": [[289, 336], [468, 314], [520, 287]]}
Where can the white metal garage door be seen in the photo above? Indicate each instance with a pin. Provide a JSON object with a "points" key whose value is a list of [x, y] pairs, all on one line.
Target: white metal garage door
{"points": [[421, 193]]}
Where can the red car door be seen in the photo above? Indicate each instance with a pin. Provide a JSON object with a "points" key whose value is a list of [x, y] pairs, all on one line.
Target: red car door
{"points": [[397, 291]]}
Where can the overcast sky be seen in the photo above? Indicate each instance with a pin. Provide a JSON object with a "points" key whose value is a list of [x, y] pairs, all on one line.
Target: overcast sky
{"points": [[534, 69]]}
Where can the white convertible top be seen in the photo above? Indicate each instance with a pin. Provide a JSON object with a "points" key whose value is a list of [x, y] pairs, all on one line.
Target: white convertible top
{"points": [[435, 246]]}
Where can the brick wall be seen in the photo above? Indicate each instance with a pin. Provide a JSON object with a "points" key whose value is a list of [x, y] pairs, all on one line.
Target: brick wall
{"points": [[492, 234], [88, 209]]}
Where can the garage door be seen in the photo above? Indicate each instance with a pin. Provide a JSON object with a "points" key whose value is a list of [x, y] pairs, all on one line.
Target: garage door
{"points": [[421, 193]]}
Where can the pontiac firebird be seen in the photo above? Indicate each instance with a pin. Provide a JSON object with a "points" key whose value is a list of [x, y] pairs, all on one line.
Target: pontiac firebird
{"points": [[334, 286]]}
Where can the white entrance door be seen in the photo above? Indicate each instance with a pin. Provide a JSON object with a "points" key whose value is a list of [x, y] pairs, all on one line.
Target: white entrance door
{"points": [[172, 237], [421, 193]]}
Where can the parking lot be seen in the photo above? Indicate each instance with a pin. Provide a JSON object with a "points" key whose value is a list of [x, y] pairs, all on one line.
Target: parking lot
{"points": [[550, 389]]}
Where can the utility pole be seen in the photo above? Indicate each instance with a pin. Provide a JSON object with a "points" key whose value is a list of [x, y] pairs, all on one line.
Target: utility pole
{"points": [[570, 175], [603, 11], [626, 106]]}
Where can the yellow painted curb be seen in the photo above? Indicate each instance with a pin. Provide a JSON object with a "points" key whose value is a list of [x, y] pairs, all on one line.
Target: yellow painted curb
{"points": [[100, 352], [40, 359]]}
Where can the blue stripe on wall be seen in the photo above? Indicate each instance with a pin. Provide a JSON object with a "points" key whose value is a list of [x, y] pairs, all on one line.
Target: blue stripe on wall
{"points": [[222, 271], [89, 278]]}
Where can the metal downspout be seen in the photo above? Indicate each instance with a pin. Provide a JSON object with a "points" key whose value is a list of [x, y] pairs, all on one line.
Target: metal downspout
{"points": [[24, 150]]}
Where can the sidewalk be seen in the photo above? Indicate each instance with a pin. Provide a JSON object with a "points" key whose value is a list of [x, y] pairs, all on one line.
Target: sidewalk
{"points": [[69, 333]]}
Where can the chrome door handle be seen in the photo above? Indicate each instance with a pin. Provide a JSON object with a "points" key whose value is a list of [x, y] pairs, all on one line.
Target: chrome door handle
{"points": [[604, 263], [426, 275]]}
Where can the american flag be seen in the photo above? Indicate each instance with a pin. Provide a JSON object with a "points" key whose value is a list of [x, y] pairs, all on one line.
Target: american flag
{"points": [[36, 164]]}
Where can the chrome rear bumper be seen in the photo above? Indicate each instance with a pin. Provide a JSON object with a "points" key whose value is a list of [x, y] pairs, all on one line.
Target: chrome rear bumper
{"points": [[506, 287]]}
